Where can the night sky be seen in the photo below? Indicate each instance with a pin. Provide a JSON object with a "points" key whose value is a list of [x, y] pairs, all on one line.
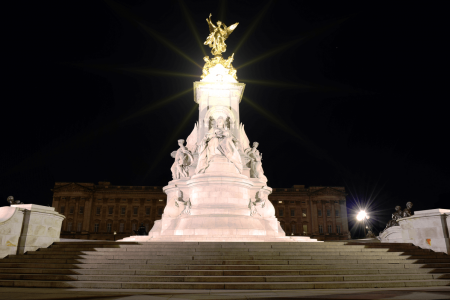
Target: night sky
{"points": [[336, 95]]}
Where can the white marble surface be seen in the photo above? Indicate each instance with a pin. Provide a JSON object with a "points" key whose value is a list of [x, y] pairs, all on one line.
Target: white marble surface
{"points": [[11, 219], [28, 227], [220, 209], [392, 235], [226, 198], [428, 229]]}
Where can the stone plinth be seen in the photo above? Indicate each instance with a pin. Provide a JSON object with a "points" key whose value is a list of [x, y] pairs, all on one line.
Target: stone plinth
{"points": [[428, 229], [28, 227], [11, 219], [218, 206], [392, 235]]}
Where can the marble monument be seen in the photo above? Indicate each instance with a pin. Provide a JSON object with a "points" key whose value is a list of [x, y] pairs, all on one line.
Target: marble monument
{"points": [[219, 191]]}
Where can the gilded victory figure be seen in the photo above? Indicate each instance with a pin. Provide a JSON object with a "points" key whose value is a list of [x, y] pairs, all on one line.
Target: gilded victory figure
{"points": [[218, 35]]}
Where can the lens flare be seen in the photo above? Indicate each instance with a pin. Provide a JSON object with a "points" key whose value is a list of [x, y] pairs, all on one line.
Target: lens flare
{"points": [[361, 215], [156, 105], [123, 12], [253, 25], [146, 71], [190, 22], [173, 137]]}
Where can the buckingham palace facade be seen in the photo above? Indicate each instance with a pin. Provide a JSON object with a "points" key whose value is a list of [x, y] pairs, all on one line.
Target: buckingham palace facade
{"points": [[110, 212]]}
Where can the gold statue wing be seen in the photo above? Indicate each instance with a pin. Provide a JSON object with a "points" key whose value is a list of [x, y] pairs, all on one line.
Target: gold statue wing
{"points": [[231, 28]]}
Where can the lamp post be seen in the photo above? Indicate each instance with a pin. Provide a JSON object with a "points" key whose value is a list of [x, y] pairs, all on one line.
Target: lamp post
{"points": [[363, 216], [115, 236]]}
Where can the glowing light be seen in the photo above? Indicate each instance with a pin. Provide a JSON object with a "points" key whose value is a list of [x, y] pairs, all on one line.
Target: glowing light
{"points": [[189, 20], [158, 72], [269, 53], [122, 11], [361, 216], [172, 138], [276, 83], [305, 37], [252, 26], [156, 105]]}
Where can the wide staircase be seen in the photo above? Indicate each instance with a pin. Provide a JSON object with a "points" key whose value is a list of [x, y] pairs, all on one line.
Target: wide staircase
{"points": [[222, 265]]}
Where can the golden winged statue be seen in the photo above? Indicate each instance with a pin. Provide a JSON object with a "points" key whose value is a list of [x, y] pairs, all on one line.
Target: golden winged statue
{"points": [[218, 35]]}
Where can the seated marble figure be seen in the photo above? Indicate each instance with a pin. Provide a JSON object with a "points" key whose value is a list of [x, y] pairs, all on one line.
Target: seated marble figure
{"points": [[218, 142]]}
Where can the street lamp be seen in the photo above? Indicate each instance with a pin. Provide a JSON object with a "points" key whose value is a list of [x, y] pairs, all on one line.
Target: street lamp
{"points": [[362, 216], [115, 236]]}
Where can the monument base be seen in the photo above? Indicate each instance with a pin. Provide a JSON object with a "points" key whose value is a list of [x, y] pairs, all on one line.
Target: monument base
{"points": [[194, 238]]}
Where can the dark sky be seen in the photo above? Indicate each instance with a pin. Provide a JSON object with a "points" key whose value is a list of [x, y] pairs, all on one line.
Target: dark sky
{"points": [[338, 95]]}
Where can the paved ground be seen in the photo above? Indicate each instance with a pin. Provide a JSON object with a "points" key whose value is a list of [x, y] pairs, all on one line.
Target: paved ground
{"points": [[107, 294]]}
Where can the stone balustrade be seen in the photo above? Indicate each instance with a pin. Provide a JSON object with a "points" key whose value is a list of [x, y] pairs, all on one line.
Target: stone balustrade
{"points": [[428, 229], [28, 227]]}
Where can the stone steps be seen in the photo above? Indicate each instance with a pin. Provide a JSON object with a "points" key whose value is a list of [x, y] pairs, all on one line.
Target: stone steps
{"points": [[215, 265], [233, 286], [218, 272]]}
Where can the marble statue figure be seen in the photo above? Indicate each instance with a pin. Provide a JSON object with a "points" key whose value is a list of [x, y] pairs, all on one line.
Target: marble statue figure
{"points": [[183, 159], [218, 141], [256, 170]]}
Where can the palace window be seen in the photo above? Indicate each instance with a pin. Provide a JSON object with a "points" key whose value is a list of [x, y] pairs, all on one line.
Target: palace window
{"points": [[108, 227], [110, 210], [147, 227], [98, 210], [338, 229], [81, 209], [133, 227], [293, 228], [280, 201], [281, 212], [320, 229], [79, 227], [291, 201], [147, 210], [304, 213], [160, 211], [63, 208], [121, 226], [319, 213], [96, 226], [292, 212], [69, 226], [135, 210], [328, 213], [329, 228], [71, 210], [123, 210], [305, 229], [337, 213]]}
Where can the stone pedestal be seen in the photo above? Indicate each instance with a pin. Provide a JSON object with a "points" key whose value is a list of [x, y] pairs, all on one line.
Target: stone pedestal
{"points": [[28, 227], [217, 206], [428, 229], [392, 235], [219, 191]]}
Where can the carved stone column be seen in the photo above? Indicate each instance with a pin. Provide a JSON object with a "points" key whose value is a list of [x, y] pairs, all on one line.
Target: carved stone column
{"points": [[324, 217], [333, 217], [314, 216], [343, 206], [87, 213]]}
